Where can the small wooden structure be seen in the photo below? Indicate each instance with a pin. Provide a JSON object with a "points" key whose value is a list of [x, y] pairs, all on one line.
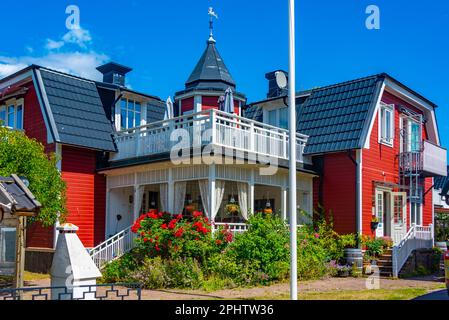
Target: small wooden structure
{"points": [[16, 204]]}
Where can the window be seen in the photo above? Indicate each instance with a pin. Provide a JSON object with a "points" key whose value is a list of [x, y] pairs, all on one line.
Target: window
{"points": [[387, 124], [416, 217], [11, 115], [278, 118], [130, 114]]}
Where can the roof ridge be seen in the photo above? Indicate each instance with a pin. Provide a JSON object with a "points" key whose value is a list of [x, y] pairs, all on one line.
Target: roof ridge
{"points": [[340, 84]]}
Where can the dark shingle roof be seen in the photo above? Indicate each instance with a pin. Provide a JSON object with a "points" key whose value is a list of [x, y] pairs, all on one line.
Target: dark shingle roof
{"points": [[253, 113], [442, 182], [337, 117], [210, 69], [155, 112], [78, 112]]}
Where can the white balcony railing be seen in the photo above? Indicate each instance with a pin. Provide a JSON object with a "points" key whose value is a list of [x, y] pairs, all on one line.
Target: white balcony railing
{"points": [[211, 127], [431, 161]]}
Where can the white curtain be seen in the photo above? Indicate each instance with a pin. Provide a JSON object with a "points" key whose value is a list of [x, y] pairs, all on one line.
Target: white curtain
{"points": [[205, 196], [180, 197], [163, 191], [204, 190], [138, 197], [243, 199]]}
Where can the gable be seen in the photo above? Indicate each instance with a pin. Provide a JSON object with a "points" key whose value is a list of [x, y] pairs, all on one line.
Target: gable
{"points": [[337, 118]]}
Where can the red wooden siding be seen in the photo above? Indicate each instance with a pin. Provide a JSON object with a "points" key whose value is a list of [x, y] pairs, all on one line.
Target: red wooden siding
{"points": [[339, 176], [85, 194], [34, 126], [187, 105], [210, 103], [381, 163]]}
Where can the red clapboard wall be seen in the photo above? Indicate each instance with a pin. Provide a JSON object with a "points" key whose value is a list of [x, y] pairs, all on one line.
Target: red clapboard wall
{"points": [[339, 183], [86, 194], [381, 163], [34, 126]]}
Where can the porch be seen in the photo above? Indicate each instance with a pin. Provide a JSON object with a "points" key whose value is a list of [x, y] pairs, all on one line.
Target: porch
{"points": [[217, 129], [214, 190]]}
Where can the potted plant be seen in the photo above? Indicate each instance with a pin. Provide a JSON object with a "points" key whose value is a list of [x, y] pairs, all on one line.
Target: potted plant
{"points": [[233, 209], [344, 271], [374, 223]]}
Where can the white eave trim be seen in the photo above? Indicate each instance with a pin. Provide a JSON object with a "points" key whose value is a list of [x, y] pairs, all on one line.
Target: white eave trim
{"points": [[16, 79], [417, 102], [46, 105], [367, 144]]}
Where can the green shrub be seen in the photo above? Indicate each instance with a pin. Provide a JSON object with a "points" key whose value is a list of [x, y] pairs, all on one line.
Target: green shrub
{"points": [[184, 274], [121, 269], [152, 274]]}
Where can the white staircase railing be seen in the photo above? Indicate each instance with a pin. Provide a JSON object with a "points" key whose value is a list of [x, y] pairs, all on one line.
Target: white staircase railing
{"points": [[113, 248], [417, 238]]}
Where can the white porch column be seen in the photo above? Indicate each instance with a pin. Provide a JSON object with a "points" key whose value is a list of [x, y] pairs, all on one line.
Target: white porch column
{"points": [[251, 198], [284, 203], [171, 191], [212, 179]]}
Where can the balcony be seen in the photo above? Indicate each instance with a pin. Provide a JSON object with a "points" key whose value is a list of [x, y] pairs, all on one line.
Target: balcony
{"points": [[431, 162], [209, 128]]}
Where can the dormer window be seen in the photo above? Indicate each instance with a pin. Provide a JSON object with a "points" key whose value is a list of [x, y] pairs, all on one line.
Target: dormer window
{"points": [[130, 114], [386, 124], [11, 114]]}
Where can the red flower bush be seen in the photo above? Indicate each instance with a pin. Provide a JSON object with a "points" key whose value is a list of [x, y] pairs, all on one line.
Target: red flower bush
{"points": [[161, 234]]}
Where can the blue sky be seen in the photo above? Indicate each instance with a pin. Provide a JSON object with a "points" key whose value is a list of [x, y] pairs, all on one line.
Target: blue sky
{"points": [[162, 41]]}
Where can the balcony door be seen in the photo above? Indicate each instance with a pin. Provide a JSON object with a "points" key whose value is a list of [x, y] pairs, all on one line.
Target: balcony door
{"points": [[411, 131]]}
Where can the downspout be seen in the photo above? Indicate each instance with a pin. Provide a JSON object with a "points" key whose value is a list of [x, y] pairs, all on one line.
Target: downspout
{"points": [[358, 201]]}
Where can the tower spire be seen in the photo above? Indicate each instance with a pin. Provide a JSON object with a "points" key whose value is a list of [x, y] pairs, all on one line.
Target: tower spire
{"points": [[212, 15]]}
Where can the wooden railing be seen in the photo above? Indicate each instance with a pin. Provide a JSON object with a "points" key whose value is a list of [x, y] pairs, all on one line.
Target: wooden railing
{"points": [[417, 238], [211, 127], [113, 248]]}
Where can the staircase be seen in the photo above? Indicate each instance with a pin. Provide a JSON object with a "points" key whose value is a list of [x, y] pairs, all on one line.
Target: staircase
{"points": [[418, 237], [113, 248], [385, 264]]}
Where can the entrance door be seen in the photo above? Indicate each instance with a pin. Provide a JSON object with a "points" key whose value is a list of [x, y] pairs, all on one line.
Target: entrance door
{"points": [[399, 216], [380, 213]]}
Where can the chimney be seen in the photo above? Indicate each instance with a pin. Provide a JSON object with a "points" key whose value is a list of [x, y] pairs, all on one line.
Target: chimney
{"points": [[114, 73], [273, 88]]}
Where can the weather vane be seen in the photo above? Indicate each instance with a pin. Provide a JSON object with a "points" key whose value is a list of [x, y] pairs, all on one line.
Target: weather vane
{"points": [[212, 15]]}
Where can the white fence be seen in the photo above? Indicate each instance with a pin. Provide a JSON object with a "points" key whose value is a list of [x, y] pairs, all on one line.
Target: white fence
{"points": [[417, 238], [211, 127], [113, 248]]}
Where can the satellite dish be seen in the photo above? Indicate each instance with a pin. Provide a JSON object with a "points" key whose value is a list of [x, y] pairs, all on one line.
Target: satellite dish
{"points": [[281, 79]]}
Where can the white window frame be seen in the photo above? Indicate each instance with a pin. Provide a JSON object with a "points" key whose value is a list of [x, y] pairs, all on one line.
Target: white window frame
{"points": [[419, 214], [143, 114], [382, 124], [16, 103]]}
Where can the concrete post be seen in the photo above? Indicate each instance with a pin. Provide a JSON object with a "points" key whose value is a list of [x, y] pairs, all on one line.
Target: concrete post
{"points": [[72, 267]]}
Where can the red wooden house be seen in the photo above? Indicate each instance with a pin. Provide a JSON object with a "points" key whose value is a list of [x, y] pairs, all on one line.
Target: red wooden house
{"points": [[368, 150]]}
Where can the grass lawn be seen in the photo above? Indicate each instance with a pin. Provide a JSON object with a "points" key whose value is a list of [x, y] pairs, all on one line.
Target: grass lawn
{"points": [[364, 295]]}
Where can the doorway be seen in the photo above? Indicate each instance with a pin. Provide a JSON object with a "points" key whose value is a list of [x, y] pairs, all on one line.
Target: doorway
{"points": [[391, 209]]}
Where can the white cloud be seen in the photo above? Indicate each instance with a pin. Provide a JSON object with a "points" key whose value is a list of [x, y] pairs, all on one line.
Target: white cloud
{"points": [[82, 64], [53, 45], [58, 56], [80, 37]]}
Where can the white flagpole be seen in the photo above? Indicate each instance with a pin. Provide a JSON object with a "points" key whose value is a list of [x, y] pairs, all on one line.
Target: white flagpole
{"points": [[292, 106]]}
